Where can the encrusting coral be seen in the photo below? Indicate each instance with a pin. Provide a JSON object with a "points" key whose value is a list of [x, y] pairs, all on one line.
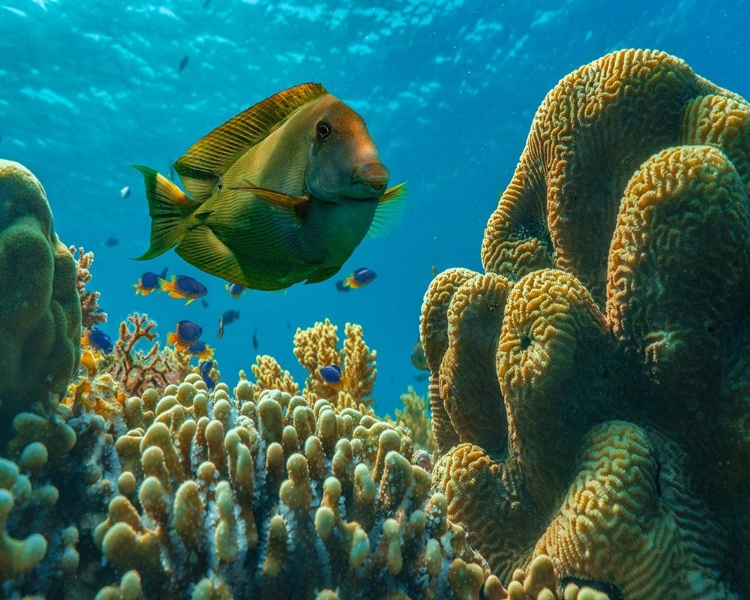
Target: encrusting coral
{"points": [[40, 312], [590, 390]]}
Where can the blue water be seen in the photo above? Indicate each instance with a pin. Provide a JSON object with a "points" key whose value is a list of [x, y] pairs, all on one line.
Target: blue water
{"points": [[448, 89]]}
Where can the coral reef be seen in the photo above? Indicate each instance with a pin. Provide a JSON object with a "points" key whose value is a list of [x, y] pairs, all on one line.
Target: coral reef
{"points": [[415, 420], [40, 312], [91, 312], [590, 391]]}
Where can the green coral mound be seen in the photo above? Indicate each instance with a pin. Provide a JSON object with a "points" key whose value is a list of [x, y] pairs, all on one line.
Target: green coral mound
{"points": [[40, 311]]}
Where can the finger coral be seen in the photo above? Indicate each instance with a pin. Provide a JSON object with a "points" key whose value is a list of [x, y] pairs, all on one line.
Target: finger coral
{"points": [[613, 436]]}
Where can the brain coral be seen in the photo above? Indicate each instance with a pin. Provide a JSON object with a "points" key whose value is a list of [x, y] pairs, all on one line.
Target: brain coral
{"points": [[613, 432], [40, 311]]}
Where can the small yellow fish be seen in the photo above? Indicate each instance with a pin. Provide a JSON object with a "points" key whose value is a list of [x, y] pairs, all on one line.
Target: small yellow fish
{"points": [[283, 192]]}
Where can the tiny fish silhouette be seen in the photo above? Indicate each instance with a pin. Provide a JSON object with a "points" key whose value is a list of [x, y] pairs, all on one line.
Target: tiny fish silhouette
{"points": [[111, 242], [255, 338], [183, 64], [125, 192], [284, 192]]}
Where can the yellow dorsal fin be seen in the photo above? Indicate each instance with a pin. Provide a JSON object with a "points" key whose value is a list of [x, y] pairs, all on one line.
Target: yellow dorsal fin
{"points": [[206, 161]]}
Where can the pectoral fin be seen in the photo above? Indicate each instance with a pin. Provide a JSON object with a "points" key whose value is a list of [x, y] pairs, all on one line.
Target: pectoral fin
{"points": [[291, 204], [390, 208]]}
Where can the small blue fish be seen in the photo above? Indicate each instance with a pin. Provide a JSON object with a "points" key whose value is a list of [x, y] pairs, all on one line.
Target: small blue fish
{"points": [[111, 242], [183, 286], [359, 278], [205, 369], [332, 376], [186, 334], [235, 289], [96, 338], [149, 282]]}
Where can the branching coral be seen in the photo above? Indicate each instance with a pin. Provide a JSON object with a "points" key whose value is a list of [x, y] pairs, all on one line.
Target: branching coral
{"points": [[619, 257], [138, 370], [91, 313], [269, 375], [317, 347]]}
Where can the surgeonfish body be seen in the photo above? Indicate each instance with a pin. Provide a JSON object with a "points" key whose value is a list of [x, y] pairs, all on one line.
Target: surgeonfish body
{"points": [[282, 193]]}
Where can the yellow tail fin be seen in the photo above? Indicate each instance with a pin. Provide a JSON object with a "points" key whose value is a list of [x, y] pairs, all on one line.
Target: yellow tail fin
{"points": [[169, 208]]}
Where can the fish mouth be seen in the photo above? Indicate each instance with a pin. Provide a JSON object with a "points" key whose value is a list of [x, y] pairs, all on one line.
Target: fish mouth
{"points": [[373, 177]]}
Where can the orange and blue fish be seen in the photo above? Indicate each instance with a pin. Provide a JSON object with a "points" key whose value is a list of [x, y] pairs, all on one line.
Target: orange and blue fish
{"points": [[149, 282], [184, 286], [235, 289], [96, 338], [205, 370], [357, 279], [331, 374], [185, 335], [200, 349]]}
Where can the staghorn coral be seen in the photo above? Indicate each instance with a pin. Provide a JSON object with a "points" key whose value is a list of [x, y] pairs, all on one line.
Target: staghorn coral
{"points": [[317, 347], [622, 354], [40, 312], [137, 370], [91, 313]]}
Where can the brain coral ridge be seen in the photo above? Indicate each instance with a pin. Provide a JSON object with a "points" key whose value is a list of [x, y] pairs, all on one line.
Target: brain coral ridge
{"points": [[591, 390]]}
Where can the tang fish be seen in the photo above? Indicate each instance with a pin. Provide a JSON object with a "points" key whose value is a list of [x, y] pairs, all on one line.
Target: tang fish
{"points": [[185, 335], [281, 193], [235, 289], [96, 338], [332, 376], [149, 282], [357, 279], [183, 286]]}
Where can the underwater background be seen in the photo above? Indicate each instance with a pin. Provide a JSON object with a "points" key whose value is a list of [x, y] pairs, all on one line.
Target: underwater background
{"points": [[447, 88]]}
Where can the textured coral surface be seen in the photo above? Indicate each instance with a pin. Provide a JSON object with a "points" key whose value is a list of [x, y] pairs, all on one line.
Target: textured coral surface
{"points": [[40, 312], [590, 391]]}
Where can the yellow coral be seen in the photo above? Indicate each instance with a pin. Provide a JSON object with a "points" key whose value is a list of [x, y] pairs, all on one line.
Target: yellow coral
{"points": [[631, 196], [317, 347], [269, 375]]}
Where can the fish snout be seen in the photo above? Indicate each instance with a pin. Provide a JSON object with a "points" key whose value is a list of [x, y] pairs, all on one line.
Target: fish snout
{"points": [[373, 177]]}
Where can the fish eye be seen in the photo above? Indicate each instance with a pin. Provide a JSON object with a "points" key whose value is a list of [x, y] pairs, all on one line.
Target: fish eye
{"points": [[323, 130]]}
